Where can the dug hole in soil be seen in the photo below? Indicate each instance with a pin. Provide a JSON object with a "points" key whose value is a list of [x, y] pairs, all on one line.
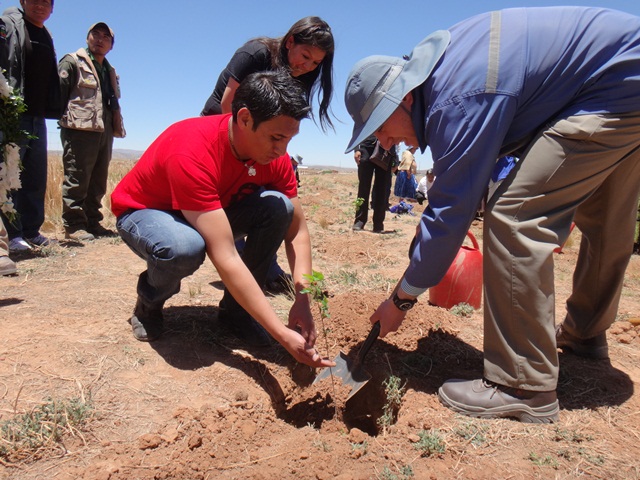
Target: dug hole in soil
{"points": [[198, 404]]}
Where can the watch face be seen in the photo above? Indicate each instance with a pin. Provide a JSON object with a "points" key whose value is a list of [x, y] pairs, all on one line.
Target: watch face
{"points": [[403, 305]]}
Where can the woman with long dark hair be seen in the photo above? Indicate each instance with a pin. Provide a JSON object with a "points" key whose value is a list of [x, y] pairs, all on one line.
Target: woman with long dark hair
{"points": [[306, 51]]}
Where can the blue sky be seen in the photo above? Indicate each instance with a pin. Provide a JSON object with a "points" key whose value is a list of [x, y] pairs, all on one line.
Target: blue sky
{"points": [[169, 54]]}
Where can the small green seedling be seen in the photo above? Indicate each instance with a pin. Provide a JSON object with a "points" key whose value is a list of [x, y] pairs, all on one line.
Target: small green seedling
{"points": [[320, 296]]}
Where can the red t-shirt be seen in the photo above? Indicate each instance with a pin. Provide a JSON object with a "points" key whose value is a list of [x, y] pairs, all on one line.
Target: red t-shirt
{"points": [[190, 166]]}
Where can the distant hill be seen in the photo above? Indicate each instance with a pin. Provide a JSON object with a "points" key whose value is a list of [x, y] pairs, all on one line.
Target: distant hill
{"points": [[133, 155], [118, 154], [124, 154]]}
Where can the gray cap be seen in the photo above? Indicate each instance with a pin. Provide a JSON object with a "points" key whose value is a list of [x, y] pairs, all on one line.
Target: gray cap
{"points": [[106, 27], [377, 84]]}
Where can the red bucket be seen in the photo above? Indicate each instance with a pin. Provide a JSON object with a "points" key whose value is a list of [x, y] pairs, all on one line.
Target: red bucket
{"points": [[463, 281]]}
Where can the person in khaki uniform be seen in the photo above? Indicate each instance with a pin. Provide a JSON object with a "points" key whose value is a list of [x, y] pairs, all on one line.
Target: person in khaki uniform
{"points": [[90, 121]]}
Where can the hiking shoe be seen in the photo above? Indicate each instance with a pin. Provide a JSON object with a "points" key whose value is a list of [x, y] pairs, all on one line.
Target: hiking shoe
{"points": [[79, 235], [484, 399], [18, 244], [100, 231], [146, 322], [7, 266], [41, 241], [244, 327], [595, 347], [357, 226]]}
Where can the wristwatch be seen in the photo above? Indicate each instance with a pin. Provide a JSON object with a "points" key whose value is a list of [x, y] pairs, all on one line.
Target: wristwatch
{"points": [[403, 304]]}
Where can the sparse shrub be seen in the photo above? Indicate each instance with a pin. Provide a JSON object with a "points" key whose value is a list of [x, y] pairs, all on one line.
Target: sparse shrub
{"points": [[27, 435], [348, 277], [570, 436], [394, 392], [430, 443], [546, 461], [360, 448], [404, 473], [322, 445], [593, 459], [462, 310], [471, 432]]}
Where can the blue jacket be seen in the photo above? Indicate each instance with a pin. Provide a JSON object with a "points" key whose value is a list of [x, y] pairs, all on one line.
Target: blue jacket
{"points": [[494, 89]]}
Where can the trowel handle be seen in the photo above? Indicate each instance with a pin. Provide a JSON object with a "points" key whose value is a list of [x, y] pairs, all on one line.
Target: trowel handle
{"points": [[366, 346]]}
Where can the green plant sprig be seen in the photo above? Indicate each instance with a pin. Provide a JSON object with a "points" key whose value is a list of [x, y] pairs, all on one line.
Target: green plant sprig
{"points": [[357, 203]]}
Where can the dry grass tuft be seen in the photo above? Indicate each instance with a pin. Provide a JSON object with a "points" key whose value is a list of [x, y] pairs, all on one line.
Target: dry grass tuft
{"points": [[53, 197]]}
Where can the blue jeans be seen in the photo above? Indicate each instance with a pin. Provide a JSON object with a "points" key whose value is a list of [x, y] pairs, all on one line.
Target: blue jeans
{"points": [[173, 249], [29, 200], [274, 271]]}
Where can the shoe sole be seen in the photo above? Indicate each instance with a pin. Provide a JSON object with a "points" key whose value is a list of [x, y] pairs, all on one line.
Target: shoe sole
{"points": [[522, 412]]}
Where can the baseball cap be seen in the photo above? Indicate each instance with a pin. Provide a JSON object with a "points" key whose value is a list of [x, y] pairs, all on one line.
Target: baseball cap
{"points": [[105, 26], [377, 84]]}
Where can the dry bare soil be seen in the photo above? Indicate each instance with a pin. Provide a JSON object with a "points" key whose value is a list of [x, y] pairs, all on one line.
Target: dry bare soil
{"points": [[80, 398]]}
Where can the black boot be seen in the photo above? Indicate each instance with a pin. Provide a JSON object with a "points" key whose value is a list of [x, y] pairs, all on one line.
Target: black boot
{"points": [[146, 321]]}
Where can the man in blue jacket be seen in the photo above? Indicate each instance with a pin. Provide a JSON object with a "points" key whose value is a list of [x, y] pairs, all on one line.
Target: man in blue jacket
{"points": [[559, 88]]}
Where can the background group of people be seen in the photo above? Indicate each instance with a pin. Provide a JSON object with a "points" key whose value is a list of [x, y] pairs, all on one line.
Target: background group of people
{"points": [[376, 168], [82, 93]]}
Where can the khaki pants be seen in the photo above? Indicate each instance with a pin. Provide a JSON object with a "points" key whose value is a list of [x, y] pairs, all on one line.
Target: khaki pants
{"points": [[584, 169]]}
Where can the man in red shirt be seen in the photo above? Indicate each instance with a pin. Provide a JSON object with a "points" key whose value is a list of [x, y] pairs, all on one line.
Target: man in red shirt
{"points": [[209, 180]]}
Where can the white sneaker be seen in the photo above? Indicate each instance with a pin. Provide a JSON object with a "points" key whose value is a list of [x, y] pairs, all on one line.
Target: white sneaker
{"points": [[19, 244]]}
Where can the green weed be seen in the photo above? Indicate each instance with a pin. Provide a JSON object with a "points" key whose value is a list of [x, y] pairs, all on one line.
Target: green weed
{"points": [[471, 432], [462, 310], [430, 443], [404, 473], [545, 461], [25, 435], [357, 203], [394, 392]]}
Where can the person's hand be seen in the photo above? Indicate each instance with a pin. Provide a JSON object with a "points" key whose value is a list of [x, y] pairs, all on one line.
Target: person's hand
{"points": [[356, 157], [303, 352], [389, 316], [301, 319]]}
